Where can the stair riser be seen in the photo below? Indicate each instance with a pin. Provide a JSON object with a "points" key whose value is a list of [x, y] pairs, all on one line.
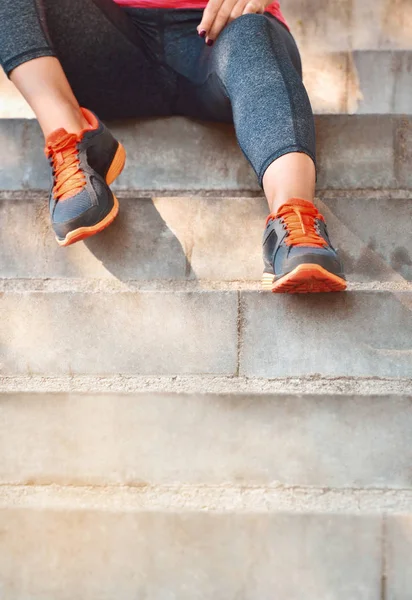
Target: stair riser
{"points": [[351, 82], [354, 152], [358, 334], [101, 555], [217, 239], [171, 333], [151, 333], [145, 439], [368, 68]]}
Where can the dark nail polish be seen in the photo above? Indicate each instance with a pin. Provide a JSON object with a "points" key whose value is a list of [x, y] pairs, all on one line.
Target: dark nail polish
{"points": [[210, 42], [202, 33]]}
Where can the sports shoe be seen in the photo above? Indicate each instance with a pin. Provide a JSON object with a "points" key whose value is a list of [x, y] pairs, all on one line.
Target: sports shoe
{"points": [[83, 166], [297, 252]]}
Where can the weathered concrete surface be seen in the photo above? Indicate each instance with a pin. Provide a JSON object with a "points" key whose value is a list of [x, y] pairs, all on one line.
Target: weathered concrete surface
{"points": [[149, 240], [99, 555], [394, 95], [146, 333], [245, 440], [350, 24], [351, 82], [398, 551], [358, 152], [355, 152], [105, 333], [372, 235], [190, 238], [355, 334], [383, 24], [403, 141]]}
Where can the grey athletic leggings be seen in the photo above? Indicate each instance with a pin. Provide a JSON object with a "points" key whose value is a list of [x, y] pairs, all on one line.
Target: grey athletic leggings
{"points": [[151, 62]]}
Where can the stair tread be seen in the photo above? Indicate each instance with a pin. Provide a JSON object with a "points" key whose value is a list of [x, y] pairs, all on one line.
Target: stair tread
{"points": [[197, 241]]}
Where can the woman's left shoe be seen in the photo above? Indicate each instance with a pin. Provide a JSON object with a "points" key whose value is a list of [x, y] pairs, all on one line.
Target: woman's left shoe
{"points": [[83, 166], [298, 255]]}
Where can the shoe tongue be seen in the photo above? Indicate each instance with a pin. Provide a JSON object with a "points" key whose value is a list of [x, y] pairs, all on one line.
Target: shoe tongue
{"points": [[299, 202], [294, 203], [56, 137]]}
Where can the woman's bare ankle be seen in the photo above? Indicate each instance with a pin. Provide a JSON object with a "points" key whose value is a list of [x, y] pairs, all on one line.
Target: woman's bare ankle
{"points": [[44, 85], [290, 176], [58, 115]]}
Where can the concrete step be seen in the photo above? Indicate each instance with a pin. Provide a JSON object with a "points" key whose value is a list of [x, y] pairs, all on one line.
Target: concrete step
{"points": [[240, 439], [99, 552], [112, 329], [199, 544], [354, 152], [197, 238]]}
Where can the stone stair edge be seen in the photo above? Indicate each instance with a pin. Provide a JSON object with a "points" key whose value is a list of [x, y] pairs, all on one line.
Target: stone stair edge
{"points": [[306, 387], [204, 385], [294, 500], [153, 194], [242, 288]]}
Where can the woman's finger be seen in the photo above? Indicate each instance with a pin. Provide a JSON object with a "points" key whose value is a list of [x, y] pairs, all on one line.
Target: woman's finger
{"points": [[237, 10], [253, 7], [221, 19], [209, 15]]}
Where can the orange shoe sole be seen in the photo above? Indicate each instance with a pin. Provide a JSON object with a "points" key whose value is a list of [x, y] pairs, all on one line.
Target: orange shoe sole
{"points": [[305, 279], [84, 232]]}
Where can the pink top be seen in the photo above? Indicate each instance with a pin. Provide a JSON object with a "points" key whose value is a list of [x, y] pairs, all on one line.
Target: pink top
{"points": [[273, 8]]}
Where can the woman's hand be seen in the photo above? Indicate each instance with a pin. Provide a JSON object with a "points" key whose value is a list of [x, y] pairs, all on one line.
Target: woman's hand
{"points": [[219, 13]]}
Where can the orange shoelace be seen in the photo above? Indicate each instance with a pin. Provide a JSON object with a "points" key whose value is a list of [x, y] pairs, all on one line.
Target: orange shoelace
{"points": [[300, 223], [68, 176]]}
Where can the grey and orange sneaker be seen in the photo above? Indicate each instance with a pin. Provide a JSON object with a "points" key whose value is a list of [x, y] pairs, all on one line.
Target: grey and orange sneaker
{"points": [[83, 166], [297, 252]]}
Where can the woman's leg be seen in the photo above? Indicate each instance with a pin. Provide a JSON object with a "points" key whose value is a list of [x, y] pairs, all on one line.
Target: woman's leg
{"points": [[27, 56], [253, 73], [44, 85], [71, 52], [271, 109], [292, 175]]}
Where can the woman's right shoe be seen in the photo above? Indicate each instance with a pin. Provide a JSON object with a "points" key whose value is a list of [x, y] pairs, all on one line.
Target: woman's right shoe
{"points": [[298, 255], [83, 166]]}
